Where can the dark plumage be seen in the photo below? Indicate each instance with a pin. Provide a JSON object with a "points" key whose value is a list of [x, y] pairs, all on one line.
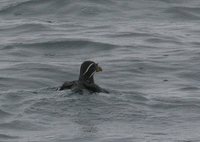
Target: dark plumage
{"points": [[86, 79]]}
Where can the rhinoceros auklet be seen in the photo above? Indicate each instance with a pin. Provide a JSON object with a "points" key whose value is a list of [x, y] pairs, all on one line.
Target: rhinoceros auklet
{"points": [[86, 79]]}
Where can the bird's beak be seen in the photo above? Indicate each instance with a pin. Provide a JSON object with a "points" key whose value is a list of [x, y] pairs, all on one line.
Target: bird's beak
{"points": [[98, 69]]}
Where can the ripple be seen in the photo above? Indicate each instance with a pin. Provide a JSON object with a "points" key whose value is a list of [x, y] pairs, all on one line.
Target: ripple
{"points": [[21, 125], [184, 13], [63, 44], [25, 27], [4, 114], [20, 7], [146, 50], [5, 136], [38, 8], [174, 103]]}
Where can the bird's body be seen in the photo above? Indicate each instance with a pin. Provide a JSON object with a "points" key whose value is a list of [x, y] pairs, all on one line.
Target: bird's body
{"points": [[78, 86], [86, 79]]}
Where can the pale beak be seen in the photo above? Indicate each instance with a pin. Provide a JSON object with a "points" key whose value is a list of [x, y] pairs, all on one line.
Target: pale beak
{"points": [[98, 69]]}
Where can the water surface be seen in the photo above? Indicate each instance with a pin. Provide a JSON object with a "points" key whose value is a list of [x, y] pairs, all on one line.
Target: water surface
{"points": [[148, 49]]}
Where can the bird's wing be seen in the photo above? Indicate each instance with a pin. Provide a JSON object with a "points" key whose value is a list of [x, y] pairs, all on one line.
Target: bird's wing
{"points": [[67, 85], [95, 88]]}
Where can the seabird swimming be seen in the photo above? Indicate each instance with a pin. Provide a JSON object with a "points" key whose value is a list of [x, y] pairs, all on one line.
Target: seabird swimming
{"points": [[86, 79]]}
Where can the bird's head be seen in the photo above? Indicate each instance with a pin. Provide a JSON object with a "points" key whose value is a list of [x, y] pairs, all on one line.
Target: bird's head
{"points": [[87, 71]]}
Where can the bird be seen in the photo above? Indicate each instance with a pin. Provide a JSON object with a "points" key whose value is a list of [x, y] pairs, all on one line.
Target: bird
{"points": [[86, 79]]}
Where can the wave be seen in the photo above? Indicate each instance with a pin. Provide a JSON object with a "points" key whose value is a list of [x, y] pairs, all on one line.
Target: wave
{"points": [[31, 82], [189, 75], [18, 8], [26, 27], [174, 103], [129, 34], [63, 44], [61, 7], [5, 136], [4, 114], [184, 13], [161, 40], [67, 9], [21, 125]]}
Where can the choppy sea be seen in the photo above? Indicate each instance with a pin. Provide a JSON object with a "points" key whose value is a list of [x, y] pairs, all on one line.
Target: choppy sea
{"points": [[150, 54]]}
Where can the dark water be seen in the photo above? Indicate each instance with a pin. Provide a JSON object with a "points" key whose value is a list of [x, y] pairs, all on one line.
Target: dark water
{"points": [[149, 51]]}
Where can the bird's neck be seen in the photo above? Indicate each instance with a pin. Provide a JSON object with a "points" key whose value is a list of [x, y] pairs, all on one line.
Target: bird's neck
{"points": [[86, 79]]}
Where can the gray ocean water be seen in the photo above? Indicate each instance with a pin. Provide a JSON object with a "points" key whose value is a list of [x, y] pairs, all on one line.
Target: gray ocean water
{"points": [[149, 52]]}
